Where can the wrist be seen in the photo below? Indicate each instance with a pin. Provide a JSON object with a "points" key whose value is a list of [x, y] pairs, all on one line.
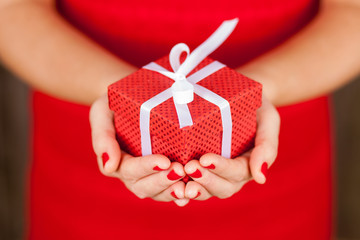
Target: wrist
{"points": [[119, 72], [262, 76]]}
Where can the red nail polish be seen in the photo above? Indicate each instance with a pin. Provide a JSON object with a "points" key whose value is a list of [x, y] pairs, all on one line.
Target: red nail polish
{"points": [[156, 168], [105, 158], [197, 195], [174, 195], [264, 169], [173, 176], [211, 166], [196, 174]]}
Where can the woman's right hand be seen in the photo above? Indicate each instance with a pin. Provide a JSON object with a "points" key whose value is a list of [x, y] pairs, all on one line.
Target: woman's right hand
{"points": [[152, 176]]}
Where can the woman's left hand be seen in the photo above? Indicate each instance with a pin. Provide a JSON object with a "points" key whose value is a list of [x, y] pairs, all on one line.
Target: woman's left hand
{"points": [[217, 176]]}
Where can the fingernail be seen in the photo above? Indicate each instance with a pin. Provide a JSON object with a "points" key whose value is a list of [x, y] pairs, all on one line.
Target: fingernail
{"points": [[173, 176], [105, 158], [156, 168], [197, 195], [264, 169], [174, 195], [211, 166], [196, 174]]}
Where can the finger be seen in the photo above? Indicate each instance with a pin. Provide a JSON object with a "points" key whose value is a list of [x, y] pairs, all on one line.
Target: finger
{"points": [[103, 136], [194, 190], [233, 170], [182, 202], [215, 185], [133, 169], [154, 184], [266, 141], [172, 193]]}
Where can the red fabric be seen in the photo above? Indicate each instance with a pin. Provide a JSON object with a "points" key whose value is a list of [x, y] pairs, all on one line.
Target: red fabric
{"points": [[205, 135], [69, 197]]}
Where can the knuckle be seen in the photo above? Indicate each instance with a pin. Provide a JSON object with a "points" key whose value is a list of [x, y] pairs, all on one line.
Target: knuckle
{"points": [[206, 181], [165, 184], [141, 196], [103, 172], [228, 192], [244, 172], [138, 192], [125, 175], [225, 194], [238, 177]]}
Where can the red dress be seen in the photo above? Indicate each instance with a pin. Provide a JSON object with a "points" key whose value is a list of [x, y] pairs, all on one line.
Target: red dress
{"points": [[70, 199]]}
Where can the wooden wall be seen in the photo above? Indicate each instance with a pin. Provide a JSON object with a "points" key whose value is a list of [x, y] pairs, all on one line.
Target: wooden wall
{"points": [[347, 120], [14, 152]]}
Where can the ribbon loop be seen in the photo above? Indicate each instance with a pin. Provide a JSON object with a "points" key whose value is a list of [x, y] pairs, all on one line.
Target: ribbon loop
{"points": [[175, 55], [209, 46]]}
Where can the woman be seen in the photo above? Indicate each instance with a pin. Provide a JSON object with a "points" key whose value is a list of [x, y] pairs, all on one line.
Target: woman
{"points": [[56, 50]]}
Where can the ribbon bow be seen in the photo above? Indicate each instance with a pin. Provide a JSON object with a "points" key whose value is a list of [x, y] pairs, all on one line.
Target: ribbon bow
{"points": [[184, 87]]}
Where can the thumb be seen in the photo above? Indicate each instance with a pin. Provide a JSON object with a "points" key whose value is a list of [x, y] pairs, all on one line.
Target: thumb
{"points": [[103, 136], [266, 141]]}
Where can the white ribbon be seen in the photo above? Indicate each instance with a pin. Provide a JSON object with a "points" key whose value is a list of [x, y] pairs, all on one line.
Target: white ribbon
{"points": [[183, 89]]}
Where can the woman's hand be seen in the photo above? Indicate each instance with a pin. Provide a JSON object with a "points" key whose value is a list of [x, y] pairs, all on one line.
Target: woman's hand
{"points": [[217, 176], [152, 176]]}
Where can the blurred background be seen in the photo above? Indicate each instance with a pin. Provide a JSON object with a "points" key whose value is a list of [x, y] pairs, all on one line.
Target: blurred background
{"points": [[14, 153]]}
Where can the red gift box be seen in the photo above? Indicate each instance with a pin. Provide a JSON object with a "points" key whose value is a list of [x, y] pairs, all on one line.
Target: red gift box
{"points": [[191, 142], [154, 115]]}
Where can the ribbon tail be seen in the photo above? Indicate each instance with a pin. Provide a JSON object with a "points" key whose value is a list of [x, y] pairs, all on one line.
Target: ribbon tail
{"points": [[205, 72], [145, 110], [183, 112], [226, 119], [214, 98], [207, 47], [159, 69]]}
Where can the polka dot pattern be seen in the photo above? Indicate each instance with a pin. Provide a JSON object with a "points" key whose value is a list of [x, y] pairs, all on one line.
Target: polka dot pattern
{"points": [[205, 136]]}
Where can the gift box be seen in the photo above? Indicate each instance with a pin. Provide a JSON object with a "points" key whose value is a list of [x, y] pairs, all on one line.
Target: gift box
{"points": [[221, 118]]}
